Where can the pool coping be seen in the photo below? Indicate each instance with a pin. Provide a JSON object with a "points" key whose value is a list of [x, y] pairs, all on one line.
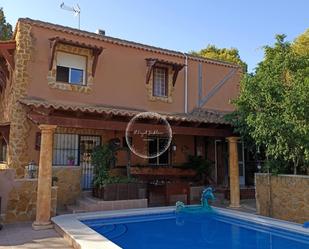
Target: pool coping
{"points": [[80, 236]]}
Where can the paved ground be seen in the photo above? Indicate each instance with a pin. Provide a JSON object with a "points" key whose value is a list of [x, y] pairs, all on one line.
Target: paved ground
{"points": [[248, 206], [21, 236]]}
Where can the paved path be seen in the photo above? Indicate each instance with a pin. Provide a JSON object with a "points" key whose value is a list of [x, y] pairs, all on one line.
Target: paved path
{"points": [[21, 236]]}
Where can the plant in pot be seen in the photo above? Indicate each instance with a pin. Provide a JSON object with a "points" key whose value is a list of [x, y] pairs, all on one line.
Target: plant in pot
{"points": [[71, 160], [102, 158], [201, 166], [106, 186]]}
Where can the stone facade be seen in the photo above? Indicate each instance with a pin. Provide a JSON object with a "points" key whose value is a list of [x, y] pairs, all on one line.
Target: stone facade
{"points": [[69, 185], [71, 87], [21, 203], [19, 123], [283, 197]]}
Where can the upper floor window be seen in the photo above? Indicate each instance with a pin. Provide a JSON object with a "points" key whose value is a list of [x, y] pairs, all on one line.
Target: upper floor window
{"points": [[71, 68], [160, 82]]}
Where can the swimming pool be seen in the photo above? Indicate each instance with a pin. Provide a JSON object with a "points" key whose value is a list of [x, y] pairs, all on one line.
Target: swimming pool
{"points": [[162, 228], [217, 230]]}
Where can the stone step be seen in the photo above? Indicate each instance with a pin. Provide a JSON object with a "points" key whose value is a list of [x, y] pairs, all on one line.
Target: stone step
{"points": [[86, 205], [219, 195], [86, 193], [75, 209]]}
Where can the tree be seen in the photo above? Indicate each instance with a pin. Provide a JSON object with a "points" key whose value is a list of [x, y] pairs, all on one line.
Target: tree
{"points": [[5, 28], [273, 107], [301, 44], [224, 54]]}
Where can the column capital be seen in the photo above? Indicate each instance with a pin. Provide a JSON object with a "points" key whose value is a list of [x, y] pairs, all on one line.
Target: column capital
{"points": [[47, 127], [233, 139]]}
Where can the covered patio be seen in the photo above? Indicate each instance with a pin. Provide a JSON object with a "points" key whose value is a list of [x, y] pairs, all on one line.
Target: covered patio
{"points": [[191, 134]]}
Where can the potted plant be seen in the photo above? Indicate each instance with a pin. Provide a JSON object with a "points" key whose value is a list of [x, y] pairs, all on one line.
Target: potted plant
{"points": [[201, 166], [71, 160], [102, 158], [106, 186]]}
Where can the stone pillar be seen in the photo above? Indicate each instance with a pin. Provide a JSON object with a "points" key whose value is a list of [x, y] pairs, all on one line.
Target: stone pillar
{"points": [[234, 172], [43, 206]]}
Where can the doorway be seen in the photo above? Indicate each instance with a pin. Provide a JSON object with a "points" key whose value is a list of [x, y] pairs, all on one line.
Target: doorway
{"points": [[86, 145]]}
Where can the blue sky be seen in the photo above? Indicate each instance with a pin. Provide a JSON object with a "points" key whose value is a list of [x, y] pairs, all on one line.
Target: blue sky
{"points": [[178, 24]]}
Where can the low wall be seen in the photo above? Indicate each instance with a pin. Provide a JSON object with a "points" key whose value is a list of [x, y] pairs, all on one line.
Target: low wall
{"points": [[69, 185], [19, 197], [283, 197]]}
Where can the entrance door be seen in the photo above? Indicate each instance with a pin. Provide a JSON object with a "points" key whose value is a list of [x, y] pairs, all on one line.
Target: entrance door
{"points": [[221, 162], [86, 145], [241, 163]]}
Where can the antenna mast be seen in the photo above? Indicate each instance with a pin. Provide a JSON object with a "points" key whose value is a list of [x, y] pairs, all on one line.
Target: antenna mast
{"points": [[74, 9]]}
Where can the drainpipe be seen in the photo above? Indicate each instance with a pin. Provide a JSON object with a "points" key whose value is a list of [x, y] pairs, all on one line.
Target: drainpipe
{"points": [[186, 83]]}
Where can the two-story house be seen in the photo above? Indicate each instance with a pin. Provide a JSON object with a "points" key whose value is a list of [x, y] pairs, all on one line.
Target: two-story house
{"points": [[64, 91]]}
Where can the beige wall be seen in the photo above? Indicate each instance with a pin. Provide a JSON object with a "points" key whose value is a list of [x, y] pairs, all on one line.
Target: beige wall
{"points": [[120, 77], [283, 197], [119, 80]]}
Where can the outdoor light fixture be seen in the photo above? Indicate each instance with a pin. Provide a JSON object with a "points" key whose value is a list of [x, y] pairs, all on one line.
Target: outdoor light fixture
{"points": [[259, 166], [174, 147], [31, 170]]}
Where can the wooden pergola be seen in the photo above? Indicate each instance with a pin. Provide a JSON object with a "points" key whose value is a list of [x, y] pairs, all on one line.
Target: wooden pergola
{"points": [[48, 116]]}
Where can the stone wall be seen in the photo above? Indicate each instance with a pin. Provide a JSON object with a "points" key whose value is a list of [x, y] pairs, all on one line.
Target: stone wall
{"points": [[19, 124], [283, 197], [19, 197], [69, 185]]}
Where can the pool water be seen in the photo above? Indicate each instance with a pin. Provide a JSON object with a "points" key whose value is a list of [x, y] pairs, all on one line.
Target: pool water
{"points": [[194, 231]]}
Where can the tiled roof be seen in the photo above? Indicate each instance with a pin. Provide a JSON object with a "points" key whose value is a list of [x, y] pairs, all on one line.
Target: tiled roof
{"points": [[123, 42], [197, 115], [76, 43], [165, 62]]}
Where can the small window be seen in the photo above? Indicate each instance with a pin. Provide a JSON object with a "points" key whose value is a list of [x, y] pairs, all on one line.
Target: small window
{"points": [[154, 147], [65, 149], [71, 68], [3, 150], [63, 74], [160, 82]]}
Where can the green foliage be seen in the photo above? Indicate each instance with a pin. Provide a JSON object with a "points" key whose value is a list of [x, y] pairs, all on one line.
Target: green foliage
{"points": [[223, 54], [276, 167], [199, 164], [301, 44], [273, 106], [5, 28], [102, 159], [117, 179]]}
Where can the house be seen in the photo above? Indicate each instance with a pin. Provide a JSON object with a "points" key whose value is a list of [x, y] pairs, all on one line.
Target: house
{"points": [[64, 91]]}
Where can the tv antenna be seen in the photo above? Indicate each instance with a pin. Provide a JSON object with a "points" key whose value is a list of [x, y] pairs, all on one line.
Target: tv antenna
{"points": [[74, 9]]}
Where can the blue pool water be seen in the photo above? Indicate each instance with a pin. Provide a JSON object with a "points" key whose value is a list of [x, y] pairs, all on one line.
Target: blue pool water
{"points": [[194, 231]]}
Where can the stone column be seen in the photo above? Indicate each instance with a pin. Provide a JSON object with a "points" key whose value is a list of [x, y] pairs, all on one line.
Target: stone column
{"points": [[43, 206], [234, 172]]}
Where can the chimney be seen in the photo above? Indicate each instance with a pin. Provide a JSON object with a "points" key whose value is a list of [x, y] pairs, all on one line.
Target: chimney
{"points": [[100, 32]]}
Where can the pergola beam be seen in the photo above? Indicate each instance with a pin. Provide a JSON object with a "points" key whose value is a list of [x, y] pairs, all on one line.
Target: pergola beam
{"points": [[99, 124]]}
